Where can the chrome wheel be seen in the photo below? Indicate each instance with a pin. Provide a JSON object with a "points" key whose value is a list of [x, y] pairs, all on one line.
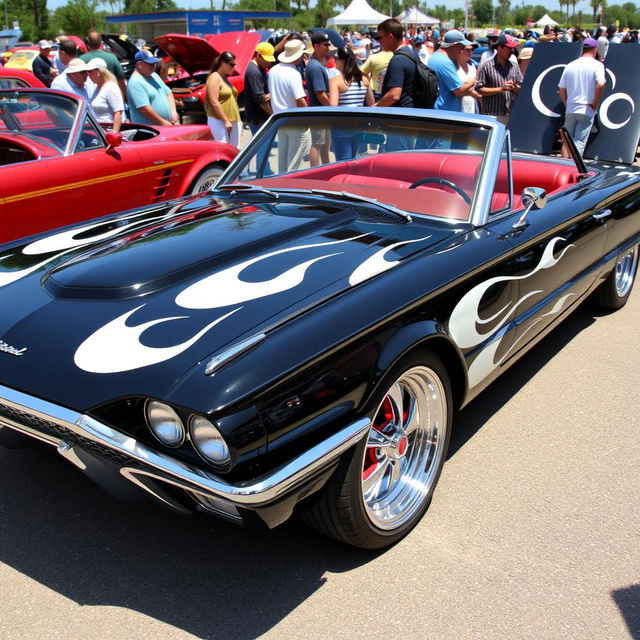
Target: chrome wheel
{"points": [[405, 447], [207, 179], [625, 271]]}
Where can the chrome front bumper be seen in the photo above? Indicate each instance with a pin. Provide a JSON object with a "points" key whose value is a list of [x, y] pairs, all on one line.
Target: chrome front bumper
{"points": [[73, 432]]}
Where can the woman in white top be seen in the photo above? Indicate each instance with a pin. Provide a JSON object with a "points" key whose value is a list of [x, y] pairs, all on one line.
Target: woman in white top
{"points": [[467, 71], [107, 103], [348, 89]]}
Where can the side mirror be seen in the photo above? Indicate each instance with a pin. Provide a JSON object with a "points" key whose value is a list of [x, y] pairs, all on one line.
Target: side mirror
{"points": [[115, 140], [531, 197]]}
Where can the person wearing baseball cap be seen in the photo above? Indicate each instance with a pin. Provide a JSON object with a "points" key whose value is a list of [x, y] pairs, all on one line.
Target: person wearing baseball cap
{"points": [[581, 86], [150, 99], [317, 80], [444, 62], [42, 66], [499, 79], [257, 101]]}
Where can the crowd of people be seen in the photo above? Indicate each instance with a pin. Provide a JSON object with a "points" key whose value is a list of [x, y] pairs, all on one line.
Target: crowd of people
{"points": [[379, 68], [98, 77]]}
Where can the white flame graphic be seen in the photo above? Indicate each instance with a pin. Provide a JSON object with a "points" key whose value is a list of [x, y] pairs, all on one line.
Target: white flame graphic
{"points": [[377, 263], [465, 317], [116, 347], [64, 243], [225, 287]]}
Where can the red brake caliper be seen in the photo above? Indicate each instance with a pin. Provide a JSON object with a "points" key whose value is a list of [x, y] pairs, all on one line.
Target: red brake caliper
{"points": [[382, 419]]}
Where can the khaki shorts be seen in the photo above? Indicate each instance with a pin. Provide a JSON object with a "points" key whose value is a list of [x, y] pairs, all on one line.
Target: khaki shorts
{"points": [[319, 137]]}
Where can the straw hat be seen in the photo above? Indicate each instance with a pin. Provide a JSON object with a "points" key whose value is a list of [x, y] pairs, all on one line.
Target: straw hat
{"points": [[293, 50]]}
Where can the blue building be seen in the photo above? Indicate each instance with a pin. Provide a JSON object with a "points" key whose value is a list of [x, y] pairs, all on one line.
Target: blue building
{"points": [[193, 23]]}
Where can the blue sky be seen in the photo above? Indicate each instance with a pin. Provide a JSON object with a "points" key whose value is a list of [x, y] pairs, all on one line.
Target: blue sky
{"points": [[217, 4]]}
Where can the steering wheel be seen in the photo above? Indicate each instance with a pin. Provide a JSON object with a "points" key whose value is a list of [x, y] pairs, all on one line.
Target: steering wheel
{"points": [[446, 183]]}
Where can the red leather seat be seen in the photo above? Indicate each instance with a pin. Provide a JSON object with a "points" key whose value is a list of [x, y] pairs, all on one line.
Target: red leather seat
{"points": [[349, 178]]}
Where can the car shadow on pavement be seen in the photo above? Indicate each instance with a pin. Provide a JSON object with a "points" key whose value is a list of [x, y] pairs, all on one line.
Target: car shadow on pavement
{"points": [[628, 601], [470, 420], [199, 574]]}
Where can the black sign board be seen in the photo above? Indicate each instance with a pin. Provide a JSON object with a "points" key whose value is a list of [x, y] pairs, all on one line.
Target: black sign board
{"points": [[538, 112], [616, 129]]}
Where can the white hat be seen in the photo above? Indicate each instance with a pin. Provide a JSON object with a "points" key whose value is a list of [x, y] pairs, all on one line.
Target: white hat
{"points": [[44, 44], [96, 63], [293, 50], [76, 66]]}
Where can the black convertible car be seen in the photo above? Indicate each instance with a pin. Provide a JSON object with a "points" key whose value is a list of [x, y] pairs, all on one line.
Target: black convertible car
{"points": [[297, 339]]}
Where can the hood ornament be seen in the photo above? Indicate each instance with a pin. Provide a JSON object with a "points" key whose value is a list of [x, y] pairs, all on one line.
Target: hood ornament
{"points": [[7, 348]]}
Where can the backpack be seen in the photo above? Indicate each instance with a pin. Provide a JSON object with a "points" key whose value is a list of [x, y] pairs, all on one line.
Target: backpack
{"points": [[425, 85]]}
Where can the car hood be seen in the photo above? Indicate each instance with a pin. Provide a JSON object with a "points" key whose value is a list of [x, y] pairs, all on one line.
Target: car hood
{"points": [[128, 306], [190, 52], [196, 54]]}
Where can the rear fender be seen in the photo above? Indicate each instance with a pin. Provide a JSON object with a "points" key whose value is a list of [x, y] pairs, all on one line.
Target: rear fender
{"points": [[224, 155], [427, 334]]}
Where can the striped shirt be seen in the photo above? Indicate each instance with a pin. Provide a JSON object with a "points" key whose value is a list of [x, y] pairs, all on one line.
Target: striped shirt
{"points": [[492, 74], [353, 96]]}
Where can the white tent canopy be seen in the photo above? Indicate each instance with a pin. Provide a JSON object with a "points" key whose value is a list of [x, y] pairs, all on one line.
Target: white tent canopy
{"points": [[358, 12], [415, 16], [546, 20]]}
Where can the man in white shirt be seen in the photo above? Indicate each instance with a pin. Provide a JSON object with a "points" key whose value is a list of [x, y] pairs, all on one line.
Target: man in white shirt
{"points": [[75, 79], [581, 87], [603, 44], [287, 92]]}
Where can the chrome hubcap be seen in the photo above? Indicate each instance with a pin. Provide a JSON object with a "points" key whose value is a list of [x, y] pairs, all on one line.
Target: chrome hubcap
{"points": [[208, 181], [625, 271], [404, 448]]}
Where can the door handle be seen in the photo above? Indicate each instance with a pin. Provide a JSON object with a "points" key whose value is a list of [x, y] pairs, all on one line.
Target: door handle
{"points": [[601, 215]]}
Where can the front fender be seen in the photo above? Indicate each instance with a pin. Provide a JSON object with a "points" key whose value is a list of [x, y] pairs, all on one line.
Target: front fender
{"points": [[425, 334]]}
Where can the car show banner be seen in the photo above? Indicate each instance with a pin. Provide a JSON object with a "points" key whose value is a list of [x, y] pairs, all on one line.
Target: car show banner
{"points": [[616, 129], [538, 112]]}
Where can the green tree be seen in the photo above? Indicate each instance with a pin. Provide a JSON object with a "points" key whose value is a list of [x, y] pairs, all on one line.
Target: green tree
{"points": [[503, 11], [595, 5], [79, 16], [483, 10], [148, 6]]}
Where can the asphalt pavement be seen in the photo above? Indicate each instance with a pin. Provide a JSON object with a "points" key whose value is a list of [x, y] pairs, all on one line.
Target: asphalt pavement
{"points": [[534, 531]]}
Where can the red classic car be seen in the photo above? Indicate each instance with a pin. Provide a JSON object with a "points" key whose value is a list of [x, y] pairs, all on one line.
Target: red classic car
{"points": [[12, 78], [195, 56], [82, 171]]}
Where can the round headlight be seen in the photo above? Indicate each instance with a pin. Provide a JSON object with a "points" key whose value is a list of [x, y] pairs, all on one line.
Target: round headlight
{"points": [[208, 441], [165, 423]]}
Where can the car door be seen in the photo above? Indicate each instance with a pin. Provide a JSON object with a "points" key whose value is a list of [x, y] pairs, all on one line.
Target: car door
{"points": [[52, 192], [112, 179], [556, 257]]}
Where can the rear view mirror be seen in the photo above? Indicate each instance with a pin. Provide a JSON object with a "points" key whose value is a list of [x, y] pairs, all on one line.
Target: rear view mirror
{"points": [[531, 197], [113, 140]]}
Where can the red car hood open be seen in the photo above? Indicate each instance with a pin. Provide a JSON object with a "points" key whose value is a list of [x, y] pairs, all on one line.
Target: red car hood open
{"points": [[196, 54]]}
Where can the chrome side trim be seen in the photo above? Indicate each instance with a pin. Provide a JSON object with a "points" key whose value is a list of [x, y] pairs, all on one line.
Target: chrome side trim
{"points": [[232, 353], [146, 461]]}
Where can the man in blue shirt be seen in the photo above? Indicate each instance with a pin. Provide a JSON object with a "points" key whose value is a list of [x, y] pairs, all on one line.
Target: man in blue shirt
{"points": [[444, 63], [317, 81], [150, 100]]}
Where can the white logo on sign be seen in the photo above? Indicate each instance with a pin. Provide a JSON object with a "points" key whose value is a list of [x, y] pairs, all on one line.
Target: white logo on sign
{"points": [[603, 111]]}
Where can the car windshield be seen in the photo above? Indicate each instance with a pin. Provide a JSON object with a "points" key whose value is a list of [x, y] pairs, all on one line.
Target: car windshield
{"points": [[48, 117], [418, 165]]}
